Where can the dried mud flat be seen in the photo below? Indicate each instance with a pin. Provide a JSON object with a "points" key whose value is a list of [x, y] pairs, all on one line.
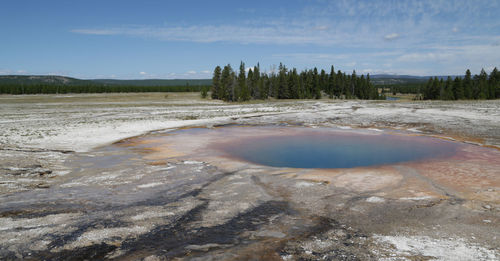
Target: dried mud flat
{"points": [[75, 186]]}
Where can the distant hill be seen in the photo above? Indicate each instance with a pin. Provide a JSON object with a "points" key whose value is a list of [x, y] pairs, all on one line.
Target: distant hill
{"points": [[50, 84], [395, 76], [378, 79], [155, 82], [69, 81], [389, 79], [42, 79]]}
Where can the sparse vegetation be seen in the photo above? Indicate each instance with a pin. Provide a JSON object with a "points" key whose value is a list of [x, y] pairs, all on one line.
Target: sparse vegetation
{"points": [[204, 92]]}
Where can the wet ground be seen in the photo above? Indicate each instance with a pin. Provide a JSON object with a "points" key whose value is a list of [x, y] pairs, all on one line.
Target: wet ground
{"points": [[170, 194]]}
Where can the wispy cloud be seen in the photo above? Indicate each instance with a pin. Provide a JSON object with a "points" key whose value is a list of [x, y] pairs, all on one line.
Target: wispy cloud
{"points": [[441, 59], [425, 56], [191, 74], [322, 27], [97, 31], [338, 58], [390, 37], [332, 26], [368, 34], [8, 71], [225, 33]]}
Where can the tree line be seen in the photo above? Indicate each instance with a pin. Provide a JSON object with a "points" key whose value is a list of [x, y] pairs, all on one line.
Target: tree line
{"points": [[478, 87], [285, 83], [91, 88]]}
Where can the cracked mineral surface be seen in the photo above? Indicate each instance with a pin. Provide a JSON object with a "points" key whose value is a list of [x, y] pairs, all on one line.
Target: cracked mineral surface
{"points": [[139, 177]]}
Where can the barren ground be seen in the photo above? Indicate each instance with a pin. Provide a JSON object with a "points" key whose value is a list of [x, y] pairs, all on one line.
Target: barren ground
{"points": [[112, 177]]}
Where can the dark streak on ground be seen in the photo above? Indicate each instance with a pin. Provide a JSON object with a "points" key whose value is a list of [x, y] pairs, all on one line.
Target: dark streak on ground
{"points": [[170, 241], [98, 251], [94, 224], [337, 242], [94, 252]]}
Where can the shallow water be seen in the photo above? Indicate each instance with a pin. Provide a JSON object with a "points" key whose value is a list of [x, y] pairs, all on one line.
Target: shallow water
{"points": [[337, 149]]}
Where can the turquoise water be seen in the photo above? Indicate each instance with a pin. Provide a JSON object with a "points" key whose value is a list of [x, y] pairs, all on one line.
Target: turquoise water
{"points": [[337, 150]]}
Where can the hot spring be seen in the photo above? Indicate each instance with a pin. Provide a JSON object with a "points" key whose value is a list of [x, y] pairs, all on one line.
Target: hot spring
{"points": [[311, 148]]}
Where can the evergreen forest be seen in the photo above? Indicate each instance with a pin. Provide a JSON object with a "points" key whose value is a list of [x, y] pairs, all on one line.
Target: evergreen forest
{"points": [[477, 87], [281, 83], [47, 88], [284, 83], [308, 84]]}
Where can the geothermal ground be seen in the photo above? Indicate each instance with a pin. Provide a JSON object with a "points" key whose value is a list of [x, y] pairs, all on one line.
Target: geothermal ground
{"points": [[138, 176]]}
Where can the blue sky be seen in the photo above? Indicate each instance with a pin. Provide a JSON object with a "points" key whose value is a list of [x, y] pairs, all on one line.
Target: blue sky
{"points": [[187, 39]]}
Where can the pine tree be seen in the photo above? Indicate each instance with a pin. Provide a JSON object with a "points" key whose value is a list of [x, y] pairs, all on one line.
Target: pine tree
{"points": [[439, 88], [282, 83], [274, 86], [482, 83], [250, 84], [293, 84], [428, 89], [331, 83], [458, 89], [227, 79], [373, 91], [243, 94], [339, 83], [352, 83], [308, 84], [323, 81], [494, 81], [492, 84], [216, 83], [266, 87], [316, 85], [448, 90], [256, 84], [467, 83]]}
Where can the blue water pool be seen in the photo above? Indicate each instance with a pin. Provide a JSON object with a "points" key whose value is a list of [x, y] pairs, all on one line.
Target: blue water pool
{"points": [[322, 149]]}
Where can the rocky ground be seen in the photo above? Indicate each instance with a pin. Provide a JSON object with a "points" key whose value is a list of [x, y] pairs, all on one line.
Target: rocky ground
{"points": [[68, 192]]}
